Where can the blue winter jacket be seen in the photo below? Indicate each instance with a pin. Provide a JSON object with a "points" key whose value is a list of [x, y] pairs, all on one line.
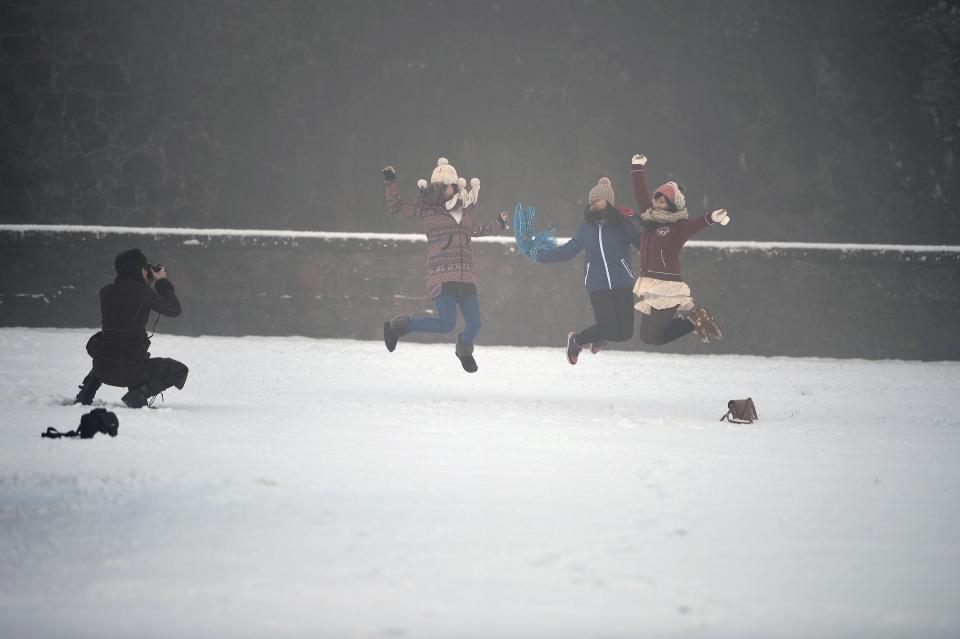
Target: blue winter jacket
{"points": [[608, 263]]}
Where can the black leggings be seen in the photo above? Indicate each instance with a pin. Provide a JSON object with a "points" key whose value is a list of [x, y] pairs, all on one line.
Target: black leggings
{"points": [[613, 311], [661, 327]]}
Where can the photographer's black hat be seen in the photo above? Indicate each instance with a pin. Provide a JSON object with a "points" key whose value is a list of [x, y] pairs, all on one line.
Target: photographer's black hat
{"points": [[130, 263]]}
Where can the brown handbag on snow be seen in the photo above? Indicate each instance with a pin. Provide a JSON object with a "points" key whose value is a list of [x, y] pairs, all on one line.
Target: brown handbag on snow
{"points": [[740, 411]]}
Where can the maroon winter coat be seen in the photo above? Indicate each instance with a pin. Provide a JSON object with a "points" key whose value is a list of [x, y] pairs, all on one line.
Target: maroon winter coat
{"points": [[661, 243]]}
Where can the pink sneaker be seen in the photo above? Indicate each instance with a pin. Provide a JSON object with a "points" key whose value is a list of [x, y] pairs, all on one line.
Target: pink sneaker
{"points": [[573, 349]]}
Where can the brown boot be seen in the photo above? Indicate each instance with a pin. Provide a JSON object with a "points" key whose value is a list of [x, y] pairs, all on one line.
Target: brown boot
{"points": [[705, 325], [394, 330]]}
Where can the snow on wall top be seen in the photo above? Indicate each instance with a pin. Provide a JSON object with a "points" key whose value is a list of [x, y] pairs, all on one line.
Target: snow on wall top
{"points": [[417, 237]]}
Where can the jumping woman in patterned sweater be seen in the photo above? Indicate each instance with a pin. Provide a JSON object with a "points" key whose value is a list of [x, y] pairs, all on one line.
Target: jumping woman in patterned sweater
{"points": [[446, 208], [660, 288]]}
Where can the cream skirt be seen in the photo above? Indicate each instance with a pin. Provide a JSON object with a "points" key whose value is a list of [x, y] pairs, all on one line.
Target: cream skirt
{"points": [[660, 294]]}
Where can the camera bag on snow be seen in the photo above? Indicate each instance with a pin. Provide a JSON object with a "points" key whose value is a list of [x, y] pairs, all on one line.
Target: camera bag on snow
{"points": [[99, 420], [740, 411]]}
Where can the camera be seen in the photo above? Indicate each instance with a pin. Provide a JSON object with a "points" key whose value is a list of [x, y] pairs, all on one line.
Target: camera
{"points": [[99, 420], [153, 268]]}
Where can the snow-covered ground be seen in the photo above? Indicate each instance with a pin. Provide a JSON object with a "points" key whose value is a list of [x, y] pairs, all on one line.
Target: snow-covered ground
{"points": [[323, 488]]}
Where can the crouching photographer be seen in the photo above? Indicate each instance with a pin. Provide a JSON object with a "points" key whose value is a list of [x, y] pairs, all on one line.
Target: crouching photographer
{"points": [[120, 351]]}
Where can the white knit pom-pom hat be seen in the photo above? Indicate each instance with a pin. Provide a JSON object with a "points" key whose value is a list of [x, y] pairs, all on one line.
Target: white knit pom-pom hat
{"points": [[444, 173]]}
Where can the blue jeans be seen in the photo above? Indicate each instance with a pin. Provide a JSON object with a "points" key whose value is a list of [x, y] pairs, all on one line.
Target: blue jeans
{"points": [[446, 318]]}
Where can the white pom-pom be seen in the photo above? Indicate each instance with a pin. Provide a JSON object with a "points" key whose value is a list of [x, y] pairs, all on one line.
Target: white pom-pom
{"points": [[462, 183], [442, 161]]}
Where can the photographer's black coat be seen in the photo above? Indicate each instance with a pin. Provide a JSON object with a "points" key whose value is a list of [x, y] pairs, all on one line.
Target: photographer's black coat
{"points": [[120, 350]]}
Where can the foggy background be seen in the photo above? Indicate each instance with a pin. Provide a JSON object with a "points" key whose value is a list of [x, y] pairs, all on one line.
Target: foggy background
{"points": [[815, 121], [326, 485]]}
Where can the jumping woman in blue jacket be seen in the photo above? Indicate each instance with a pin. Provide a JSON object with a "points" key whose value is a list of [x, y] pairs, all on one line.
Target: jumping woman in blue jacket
{"points": [[605, 236]]}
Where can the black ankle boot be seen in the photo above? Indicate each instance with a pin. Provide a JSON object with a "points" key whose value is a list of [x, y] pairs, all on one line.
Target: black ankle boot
{"points": [[88, 390], [143, 395], [394, 330], [136, 397], [465, 355]]}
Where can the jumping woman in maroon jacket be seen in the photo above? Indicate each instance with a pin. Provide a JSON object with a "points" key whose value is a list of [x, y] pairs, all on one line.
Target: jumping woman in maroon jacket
{"points": [[660, 288]]}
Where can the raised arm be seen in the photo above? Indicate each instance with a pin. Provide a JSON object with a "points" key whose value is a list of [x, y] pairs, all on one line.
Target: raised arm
{"points": [[694, 225], [689, 228], [489, 228], [395, 205], [640, 190]]}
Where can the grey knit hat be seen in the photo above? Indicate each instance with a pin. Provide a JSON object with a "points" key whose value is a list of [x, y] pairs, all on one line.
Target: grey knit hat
{"points": [[603, 189]]}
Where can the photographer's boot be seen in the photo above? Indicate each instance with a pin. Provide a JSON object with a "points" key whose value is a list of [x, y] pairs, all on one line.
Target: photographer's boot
{"points": [[136, 397], [394, 330], [140, 396], [88, 390]]}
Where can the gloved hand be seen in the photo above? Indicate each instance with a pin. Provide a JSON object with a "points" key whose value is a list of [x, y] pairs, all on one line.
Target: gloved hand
{"points": [[720, 215], [543, 240], [502, 219], [639, 160], [389, 173], [529, 243], [422, 184]]}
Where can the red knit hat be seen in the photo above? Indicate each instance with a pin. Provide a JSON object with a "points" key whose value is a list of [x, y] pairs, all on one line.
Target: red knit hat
{"points": [[671, 191]]}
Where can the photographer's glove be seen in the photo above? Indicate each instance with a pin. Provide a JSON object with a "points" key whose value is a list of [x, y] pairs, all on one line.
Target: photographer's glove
{"points": [[389, 173], [639, 160]]}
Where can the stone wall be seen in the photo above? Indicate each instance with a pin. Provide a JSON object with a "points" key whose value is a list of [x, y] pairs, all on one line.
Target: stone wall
{"points": [[773, 301], [815, 121]]}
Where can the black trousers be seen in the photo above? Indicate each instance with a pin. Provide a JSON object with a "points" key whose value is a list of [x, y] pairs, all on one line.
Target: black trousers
{"points": [[661, 327], [157, 375], [613, 312]]}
